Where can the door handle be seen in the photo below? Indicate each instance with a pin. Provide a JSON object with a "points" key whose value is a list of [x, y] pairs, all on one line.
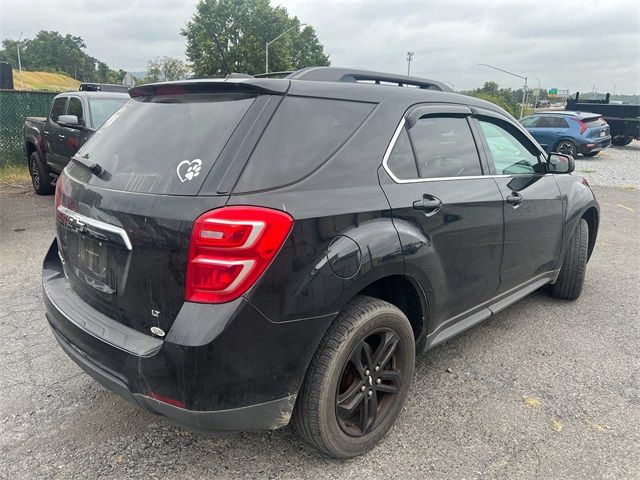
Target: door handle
{"points": [[61, 136], [46, 132], [428, 204], [514, 199]]}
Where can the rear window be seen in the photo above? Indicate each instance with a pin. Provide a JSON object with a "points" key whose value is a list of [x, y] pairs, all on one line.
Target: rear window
{"points": [[103, 108], [164, 144], [594, 122], [302, 136]]}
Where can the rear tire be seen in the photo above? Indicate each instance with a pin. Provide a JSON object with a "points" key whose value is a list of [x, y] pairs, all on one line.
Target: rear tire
{"points": [[340, 390], [40, 178], [621, 140], [568, 286], [567, 147]]}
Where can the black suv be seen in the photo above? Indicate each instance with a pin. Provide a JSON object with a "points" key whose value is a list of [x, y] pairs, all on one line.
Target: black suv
{"points": [[234, 254]]}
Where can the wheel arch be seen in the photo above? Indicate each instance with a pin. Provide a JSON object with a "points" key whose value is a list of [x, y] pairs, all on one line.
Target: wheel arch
{"points": [[591, 215]]}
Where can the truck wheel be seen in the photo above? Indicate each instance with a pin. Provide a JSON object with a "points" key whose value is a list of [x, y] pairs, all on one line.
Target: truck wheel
{"points": [[567, 147], [358, 379], [39, 175], [621, 140], [568, 286]]}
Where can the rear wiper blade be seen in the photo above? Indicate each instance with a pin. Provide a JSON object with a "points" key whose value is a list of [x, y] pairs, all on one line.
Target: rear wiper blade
{"points": [[93, 167]]}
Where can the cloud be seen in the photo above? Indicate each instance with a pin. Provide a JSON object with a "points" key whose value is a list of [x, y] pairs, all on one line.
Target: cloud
{"points": [[577, 44]]}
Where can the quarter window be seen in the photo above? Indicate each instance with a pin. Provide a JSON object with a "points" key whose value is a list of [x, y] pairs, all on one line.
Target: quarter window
{"points": [[57, 108], [509, 155]]}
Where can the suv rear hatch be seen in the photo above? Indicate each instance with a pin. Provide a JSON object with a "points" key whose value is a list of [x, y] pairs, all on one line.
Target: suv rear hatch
{"points": [[126, 204], [597, 127]]}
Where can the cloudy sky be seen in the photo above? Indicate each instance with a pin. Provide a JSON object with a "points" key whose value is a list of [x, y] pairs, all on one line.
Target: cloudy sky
{"points": [[565, 44]]}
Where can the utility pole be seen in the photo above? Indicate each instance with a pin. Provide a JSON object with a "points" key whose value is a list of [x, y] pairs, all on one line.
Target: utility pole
{"points": [[524, 92], [409, 58], [19, 62]]}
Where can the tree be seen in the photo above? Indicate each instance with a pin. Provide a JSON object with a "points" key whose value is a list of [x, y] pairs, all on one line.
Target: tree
{"points": [[242, 29], [166, 69]]}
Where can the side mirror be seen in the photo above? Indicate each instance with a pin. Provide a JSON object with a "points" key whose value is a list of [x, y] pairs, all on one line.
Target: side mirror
{"points": [[560, 163], [69, 121]]}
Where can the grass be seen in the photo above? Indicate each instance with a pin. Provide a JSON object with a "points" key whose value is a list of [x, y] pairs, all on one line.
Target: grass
{"points": [[54, 82], [12, 174]]}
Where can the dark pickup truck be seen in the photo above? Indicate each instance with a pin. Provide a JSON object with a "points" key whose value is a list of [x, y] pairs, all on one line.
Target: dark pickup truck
{"points": [[624, 120], [51, 141]]}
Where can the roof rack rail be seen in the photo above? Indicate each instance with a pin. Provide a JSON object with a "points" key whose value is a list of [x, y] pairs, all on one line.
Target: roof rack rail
{"points": [[349, 75]]}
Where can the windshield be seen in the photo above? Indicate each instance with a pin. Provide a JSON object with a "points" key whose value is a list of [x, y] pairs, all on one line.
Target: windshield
{"points": [[103, 108], [164, 144]]}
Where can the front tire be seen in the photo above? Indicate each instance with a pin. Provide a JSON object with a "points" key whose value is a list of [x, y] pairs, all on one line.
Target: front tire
{"points": [[568, 286], [39, 175], [358, 379], [567, 147]]}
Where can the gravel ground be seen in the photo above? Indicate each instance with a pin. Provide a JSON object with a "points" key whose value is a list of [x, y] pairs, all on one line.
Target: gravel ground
{"points": [[615, 166], [545, 389]]}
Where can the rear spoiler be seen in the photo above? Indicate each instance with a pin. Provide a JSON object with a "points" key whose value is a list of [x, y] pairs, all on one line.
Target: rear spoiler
{"points": [[217, 85]]}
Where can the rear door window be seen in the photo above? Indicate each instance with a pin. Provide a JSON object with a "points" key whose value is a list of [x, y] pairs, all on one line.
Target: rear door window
{"points": [[302, 136], [553, 122], [530, 122], [444, 147], [164, 144]]}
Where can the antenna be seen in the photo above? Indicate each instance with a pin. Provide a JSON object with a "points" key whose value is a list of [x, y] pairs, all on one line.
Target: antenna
{"points": [[224, 60]]}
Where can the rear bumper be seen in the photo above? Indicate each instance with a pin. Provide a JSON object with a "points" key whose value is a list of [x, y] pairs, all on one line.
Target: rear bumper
{"points": [[220, 368], [265, 416], [594, 145]]}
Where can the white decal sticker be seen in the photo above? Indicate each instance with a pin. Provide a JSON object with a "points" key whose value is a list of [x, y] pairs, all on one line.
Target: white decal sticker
{"points": [[188, 170]]}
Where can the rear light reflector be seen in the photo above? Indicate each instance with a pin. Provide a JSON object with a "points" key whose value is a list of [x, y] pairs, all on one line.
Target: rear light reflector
{"points": [[164, 399], [230, 248]]}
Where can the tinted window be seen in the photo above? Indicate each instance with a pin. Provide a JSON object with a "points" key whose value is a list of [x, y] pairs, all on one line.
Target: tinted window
{"points": [[444, 148], [595, 122], [164, 144], [529, 121], [402, 161], [103, 108], [57, 108], [509, 155], [553, 122], [75, 108], [304, 134]]}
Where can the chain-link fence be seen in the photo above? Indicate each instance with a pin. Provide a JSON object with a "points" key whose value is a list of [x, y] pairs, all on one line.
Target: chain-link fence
{"points": [[14, 107]]}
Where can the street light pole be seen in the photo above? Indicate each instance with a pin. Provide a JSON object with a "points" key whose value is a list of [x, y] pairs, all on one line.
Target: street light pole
{"points": [[19, 62], [409, 58], [524, 93], [266, 45]]}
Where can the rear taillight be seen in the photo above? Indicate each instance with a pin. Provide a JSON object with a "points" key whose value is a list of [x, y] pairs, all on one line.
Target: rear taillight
{"points": [[230, 248], [583, 126]]}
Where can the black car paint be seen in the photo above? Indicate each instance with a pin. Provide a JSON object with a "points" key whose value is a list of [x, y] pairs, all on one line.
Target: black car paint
{"points": [[253, 352]]}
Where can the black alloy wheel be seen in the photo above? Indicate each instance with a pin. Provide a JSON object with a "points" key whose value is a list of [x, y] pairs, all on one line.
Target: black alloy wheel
{"points": [[369, 383]]}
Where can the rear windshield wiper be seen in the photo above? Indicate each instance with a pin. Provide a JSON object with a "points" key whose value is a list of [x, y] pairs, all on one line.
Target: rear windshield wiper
{"points": [[93, 167]]}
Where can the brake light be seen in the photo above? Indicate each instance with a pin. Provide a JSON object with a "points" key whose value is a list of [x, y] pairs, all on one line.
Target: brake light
{"points": [[230, 248], [583, 126]]}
